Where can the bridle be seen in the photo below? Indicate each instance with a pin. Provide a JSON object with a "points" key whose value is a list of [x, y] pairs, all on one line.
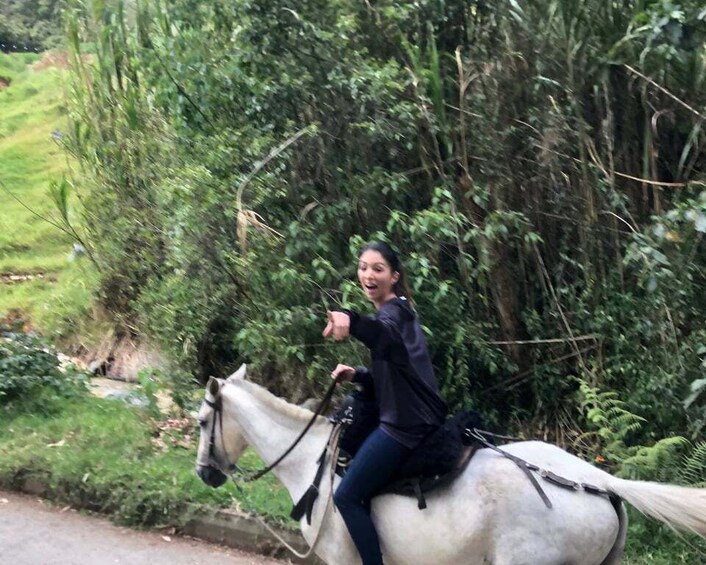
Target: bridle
{"points": [[217, 406]]}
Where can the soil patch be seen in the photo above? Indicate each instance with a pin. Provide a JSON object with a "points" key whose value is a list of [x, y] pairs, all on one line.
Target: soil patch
{"points": [[52, 59], [16, 321], [57, 60], [13, 278], [4, 83], [121, 359]]}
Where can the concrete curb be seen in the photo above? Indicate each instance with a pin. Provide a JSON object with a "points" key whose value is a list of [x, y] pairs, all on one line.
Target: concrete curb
{"points": [[225, 527], [238, 530]]}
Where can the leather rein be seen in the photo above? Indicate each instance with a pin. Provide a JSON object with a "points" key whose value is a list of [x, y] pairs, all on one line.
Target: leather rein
{"points": [[217, 406]]}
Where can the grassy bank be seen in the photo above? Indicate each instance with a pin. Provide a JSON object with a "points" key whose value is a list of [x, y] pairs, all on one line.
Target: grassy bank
{"points": [[143, 474], [52, 291], [110, 457]]}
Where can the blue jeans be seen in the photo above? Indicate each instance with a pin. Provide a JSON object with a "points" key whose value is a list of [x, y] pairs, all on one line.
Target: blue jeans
{"points": [[373, 466]]}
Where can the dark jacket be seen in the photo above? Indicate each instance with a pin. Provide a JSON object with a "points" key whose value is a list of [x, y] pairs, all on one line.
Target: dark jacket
{"points": [[401, 374]]}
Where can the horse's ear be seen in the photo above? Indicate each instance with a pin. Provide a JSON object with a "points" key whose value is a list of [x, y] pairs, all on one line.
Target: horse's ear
{"points": [[213, 387], [239, 374]]}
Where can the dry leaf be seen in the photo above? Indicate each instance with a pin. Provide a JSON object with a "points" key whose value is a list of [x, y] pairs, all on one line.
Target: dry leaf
{"points": [[166, 538], [59, 443]]}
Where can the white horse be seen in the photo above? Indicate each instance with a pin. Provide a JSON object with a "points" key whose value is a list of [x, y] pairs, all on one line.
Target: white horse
{"points": [[491, 514]]}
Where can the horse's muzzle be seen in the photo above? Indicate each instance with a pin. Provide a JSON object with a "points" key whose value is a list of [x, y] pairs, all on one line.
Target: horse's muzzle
{"points": [[211, 476]]}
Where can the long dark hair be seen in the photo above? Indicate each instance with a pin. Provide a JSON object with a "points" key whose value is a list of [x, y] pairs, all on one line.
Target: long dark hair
{"points": [[400, 288]]}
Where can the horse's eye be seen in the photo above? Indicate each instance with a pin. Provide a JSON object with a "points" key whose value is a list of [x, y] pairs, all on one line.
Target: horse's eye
{"points": [[202, 423]]}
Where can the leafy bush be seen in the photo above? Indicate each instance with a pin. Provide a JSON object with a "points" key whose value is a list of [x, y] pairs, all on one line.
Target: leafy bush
{"points": [[31, 374]]}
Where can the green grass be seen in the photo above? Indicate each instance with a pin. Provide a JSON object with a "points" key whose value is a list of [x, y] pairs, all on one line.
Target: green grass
{"points": [[32, 108], [100, 454]]}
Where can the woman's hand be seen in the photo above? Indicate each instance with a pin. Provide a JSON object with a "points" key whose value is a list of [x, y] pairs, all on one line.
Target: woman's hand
{"points": [[339, 325], [343, 373]]}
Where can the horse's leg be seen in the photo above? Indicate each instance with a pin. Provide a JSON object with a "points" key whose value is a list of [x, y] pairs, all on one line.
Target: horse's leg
{"points": [[616, 553]]}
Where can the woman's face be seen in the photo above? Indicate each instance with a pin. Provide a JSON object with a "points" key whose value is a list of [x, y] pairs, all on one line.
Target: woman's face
{"points": [[376, 277]]}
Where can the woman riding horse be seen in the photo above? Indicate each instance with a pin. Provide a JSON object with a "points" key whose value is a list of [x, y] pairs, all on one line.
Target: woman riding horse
{"points": [[404, 386]]}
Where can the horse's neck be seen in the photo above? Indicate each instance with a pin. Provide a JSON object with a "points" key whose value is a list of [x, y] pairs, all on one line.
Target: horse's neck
{"points": [[271, 425]]}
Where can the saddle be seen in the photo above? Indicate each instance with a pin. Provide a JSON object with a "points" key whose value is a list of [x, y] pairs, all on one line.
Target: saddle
{"points": [[439, 459]]}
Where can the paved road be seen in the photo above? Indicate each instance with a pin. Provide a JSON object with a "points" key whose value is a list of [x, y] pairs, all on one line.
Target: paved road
{"points": [[34, 532]]}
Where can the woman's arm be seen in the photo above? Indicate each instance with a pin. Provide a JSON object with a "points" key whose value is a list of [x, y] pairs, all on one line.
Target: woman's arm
{"points": [[376, 333]]}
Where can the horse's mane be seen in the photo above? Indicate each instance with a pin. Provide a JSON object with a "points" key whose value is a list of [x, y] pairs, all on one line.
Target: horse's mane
{"points": [[276, 403]]}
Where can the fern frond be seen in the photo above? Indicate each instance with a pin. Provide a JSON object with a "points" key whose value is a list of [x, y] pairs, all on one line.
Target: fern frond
{"points": [[660, 461], [693, 471], [606, 412]]}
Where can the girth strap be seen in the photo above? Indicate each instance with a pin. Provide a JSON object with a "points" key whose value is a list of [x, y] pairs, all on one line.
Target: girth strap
{"points": [[421, 501], [545, 474], [522, 464], [306, 502]]}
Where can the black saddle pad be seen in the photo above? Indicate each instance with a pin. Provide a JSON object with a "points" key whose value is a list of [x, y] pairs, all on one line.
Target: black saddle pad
{"points": [[418, 486], [442, 450]]}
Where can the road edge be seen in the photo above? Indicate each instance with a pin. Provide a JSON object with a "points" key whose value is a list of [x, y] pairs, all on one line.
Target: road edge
{"points": [[220, 526]]}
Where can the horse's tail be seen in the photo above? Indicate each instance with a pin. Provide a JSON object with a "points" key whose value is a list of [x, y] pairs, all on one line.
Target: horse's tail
{"points": [[681, 508]]}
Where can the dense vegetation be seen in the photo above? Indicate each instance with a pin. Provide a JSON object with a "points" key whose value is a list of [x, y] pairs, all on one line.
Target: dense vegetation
{"points": [[540, 165], [30, 25]]}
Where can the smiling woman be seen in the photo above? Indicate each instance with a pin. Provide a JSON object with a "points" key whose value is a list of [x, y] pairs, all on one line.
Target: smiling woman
{"points": [[401, 382], [377, 277]]}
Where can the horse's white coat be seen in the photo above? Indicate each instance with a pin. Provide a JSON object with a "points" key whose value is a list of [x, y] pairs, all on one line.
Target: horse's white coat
{"points": [[490, 515]]}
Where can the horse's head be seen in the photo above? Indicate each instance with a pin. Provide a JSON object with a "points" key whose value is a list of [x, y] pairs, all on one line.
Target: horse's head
{"points": [[219, 446]]}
